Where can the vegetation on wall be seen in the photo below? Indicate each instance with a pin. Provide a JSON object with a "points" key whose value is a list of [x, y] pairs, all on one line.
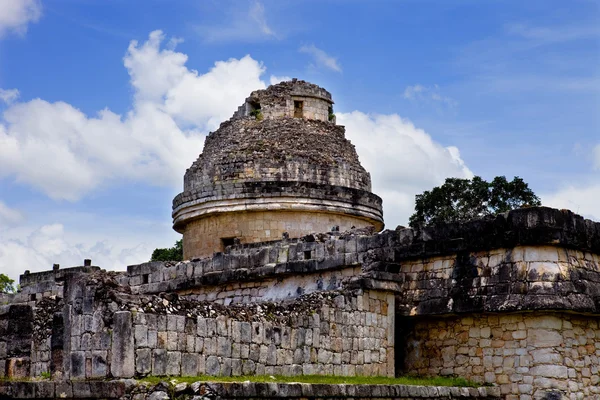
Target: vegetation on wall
{"points": [[464, 199]]}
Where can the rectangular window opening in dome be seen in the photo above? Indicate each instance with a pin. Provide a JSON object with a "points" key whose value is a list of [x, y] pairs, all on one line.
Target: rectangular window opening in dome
{"points": [[229, 241], [298, 109]]}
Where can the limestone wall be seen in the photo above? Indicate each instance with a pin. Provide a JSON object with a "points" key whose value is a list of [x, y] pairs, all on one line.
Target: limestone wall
{"points": [[528, 355], [203, 237], [334, 334], [312, 108], [131, 390], [271, 289], [502, 279], [350, 337]]}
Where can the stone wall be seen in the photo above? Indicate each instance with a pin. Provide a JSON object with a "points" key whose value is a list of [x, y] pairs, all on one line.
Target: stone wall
{"points": [[271, 289], [527, 277], [277, 101], [16, 337], [348, 335], [128, 389], [528, 355], [203, 237]]}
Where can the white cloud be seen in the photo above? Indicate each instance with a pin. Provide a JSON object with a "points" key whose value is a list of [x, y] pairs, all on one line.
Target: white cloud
{"points": [[428, 94], [8, 96], [581, 199], [273, 80], [59, 150], [402, 159], [245, 26], [257, 14], [50, 244], [15, 15], [321, 58], [9, 216]]}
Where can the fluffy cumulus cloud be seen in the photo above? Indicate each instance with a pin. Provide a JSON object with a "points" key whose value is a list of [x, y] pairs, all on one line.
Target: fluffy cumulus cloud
{"points": [[65, 153], [402, 159], [16, 15]]}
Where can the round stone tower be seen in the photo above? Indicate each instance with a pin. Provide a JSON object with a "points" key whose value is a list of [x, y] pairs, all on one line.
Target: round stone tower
{"points": [[280, 164]]}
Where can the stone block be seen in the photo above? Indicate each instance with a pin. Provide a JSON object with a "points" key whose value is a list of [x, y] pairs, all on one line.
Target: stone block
{"points": [[213, 367], [223, 347], [141, 336], [99, 364], [143, 361], [77, 365], [122, 350], [189, 364], [159, 362], [173, 363]]}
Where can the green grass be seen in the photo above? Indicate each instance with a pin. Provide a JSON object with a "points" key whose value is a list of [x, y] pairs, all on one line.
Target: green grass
{"points": [[355, 380]]}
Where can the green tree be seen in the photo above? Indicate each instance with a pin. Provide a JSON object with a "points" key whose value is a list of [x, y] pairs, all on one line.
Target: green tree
{"points": [[7, 284], [464, 199], [174, 253]]}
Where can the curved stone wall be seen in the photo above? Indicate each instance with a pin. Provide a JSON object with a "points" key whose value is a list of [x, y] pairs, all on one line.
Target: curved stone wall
{"points": [[203, 237]]}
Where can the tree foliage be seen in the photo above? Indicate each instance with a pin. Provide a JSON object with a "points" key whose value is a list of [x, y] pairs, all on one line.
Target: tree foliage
{"points": [[174, 253], [464, 199], [7, 284]]}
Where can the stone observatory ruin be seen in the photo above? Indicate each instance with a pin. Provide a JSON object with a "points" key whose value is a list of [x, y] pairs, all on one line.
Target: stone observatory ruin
{"points": [[280, 164], [285, 273]]}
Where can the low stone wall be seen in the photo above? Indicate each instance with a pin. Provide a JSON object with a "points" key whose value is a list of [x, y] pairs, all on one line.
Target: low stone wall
{"points": [[132, 390], [528, 355], [351, 336]]}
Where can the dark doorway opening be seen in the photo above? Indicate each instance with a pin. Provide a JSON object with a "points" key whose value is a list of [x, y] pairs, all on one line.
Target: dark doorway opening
{"points": [[298, 109], [403, 327]]}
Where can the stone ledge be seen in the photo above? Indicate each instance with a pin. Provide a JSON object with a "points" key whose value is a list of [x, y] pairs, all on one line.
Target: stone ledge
{"points": [[521, 227], [123, 389]]}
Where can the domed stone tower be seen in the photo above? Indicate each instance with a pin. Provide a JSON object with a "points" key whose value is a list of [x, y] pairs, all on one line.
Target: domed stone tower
{"points": [[280, 164]]}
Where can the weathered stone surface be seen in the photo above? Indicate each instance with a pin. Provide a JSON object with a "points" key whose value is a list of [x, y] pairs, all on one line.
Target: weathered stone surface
{"points": [[123, 347]]}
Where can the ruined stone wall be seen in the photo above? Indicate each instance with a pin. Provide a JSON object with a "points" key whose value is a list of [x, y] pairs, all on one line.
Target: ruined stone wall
{"points": [[131, 390], [271, 289], [16, 334], [202, 237], [282, 261], [526, 354], [277, 101], [351, 336], [522, 277], [341, 333], [312, 108]]}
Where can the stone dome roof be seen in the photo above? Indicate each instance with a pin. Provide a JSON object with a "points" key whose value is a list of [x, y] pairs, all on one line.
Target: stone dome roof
{"points": [[267, 155], [288, 149]]}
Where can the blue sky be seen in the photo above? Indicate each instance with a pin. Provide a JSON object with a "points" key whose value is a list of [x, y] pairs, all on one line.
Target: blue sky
{"points": [[105, 103]]}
